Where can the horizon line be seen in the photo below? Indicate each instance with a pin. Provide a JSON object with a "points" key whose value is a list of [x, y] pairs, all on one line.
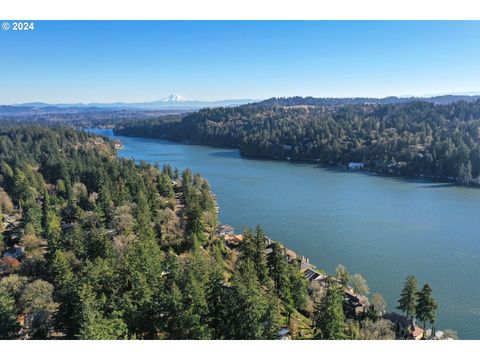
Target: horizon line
{"points": [[187, 100]]}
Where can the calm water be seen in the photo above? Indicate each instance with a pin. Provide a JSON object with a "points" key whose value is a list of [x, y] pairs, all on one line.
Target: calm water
{"points": [[383, 228]]}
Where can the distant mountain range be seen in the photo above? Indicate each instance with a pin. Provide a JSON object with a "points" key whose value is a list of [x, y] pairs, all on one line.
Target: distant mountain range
{"points": [[172, 102], [176, 102]]}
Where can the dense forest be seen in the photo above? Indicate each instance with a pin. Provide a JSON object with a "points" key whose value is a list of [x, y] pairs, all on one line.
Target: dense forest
{"points": [[98, 247], [118, 250], [337, 102], [79, 117], [408, 139]]}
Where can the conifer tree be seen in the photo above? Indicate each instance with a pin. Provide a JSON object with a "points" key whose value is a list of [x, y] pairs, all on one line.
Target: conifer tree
{"points": [[278, 267], [408, 298], [94, 325], [8, 315], [426, 306], [329, 316], [259, 256]]}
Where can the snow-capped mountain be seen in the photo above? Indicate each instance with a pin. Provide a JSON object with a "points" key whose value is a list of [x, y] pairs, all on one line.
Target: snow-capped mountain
{"points": [[175, 98]]}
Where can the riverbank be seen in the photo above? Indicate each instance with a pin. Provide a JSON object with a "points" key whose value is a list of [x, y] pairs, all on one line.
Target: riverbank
{"points": [[474, 183]]}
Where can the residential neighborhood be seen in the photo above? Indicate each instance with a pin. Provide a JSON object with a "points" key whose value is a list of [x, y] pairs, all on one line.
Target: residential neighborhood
{"points": [[356, 306]]}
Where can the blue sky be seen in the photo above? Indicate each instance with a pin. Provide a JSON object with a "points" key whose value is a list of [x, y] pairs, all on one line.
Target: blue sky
{"points": [[87, 61]]}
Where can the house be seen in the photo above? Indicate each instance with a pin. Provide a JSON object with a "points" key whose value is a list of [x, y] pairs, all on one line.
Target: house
{"points": [[356, 165], [224, 229], [284, 333], [268, 241], [312, 274], [15, 252], [416, 332], [291, 255], [117, 144], [67, 226], [233, 240], [405, 328], [305, 264], [354, 304], [8, 265], [439, 335], [10, 219]]}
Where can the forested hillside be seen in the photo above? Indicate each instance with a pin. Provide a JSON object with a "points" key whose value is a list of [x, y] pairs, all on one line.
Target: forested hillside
{"points": [[335, 102], [410, 139], [97, 247]]}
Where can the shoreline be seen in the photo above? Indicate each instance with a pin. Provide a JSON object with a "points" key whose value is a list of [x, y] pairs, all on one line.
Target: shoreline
{"points": [[342, 168], [331, 166]]}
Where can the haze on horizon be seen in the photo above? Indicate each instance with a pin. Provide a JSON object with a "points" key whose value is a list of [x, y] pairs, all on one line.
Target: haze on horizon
{"points": [[132, 61]]}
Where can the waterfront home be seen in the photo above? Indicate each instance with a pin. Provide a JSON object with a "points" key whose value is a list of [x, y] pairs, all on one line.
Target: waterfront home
{"points": [[355, 305], [117, 144], [305, 264], [291, 255], [224, 229], [405, 328], [438, 335], [416, 332], [312, 274], [233, 240], [356, 165]]}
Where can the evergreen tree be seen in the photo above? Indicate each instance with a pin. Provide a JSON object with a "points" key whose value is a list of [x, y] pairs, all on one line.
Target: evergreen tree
{"points": [[53, 231], [253, 248], [426, 306], [191, 321], [140, 278], [272, 319], [259, 257], [93, 324], [173, 307], [329, 316], [217, 303], [33, 215], [143, 228], [249, 305], [298, 287], [408, 298], [278, 268], [65, 295], [8, 315]]}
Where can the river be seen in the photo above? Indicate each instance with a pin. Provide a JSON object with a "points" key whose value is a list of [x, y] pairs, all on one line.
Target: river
{"points": [[383, 228]]}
